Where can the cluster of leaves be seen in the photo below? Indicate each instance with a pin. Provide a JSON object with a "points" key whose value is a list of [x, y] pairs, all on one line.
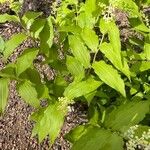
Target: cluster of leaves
{"points": [[111, 77]]}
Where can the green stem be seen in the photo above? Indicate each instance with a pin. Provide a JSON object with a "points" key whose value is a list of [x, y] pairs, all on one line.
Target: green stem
{"points": [[94, 59]]}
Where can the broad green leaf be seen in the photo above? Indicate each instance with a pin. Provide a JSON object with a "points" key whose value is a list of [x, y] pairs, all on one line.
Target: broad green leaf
{"points": [[29, 17], [37, 27], [13, 43], [43, 91], [75, 133], [90, 6], [90, 38], [4, 89], [16, 7], [77, 89], [72, 1], [32, 75], [126, 115], [59, 85], [109, 76], [112, 50], [70, 28], [137, 24], [98, 139], [140, 66], [79, 50], [127, 5], [25, 60], [114, 37], [29, 94], [46, 36], [8, 18], [2, 44], [94, 114], [48, 122], [9, 71], [4, 1], [136, 41], [89, 97], [146, 2], [103, 26], [85, 20], [75, 68], [147, 47], [126, 69], [107, 50]]}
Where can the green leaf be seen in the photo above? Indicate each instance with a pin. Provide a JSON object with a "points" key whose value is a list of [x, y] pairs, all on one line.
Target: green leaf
{"points": [[77, 89], [8, 18], [147, 47], [29, 94], [137, 24], [46, 36], [71, 27], [114, 37], [107, 49], [127, 5], [72, 2], [79, 50], [4, 89], [90, 6], [76, 133], [103, 26], [4, 1], [16, 7], [75, 68], [146, 2], [140, 66], [112, 50], [59, 85], [109, 76], [2, 44], [26, 60], [29, 17], [48, 122], [42, 90], [13, 43], [126, 69], [9, 71], [32, 75], [94, 114], [90, 38], [85, 20], [126, 115], [98, 139], [37, 27]]}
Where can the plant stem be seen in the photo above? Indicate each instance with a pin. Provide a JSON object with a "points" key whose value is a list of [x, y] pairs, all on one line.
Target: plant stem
{"points": [[94, 59]]}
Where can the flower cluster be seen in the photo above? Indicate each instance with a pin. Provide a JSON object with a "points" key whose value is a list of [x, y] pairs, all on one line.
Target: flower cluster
{"points": [[135, 141], [63, 104], [107, 12], [146, 19]]}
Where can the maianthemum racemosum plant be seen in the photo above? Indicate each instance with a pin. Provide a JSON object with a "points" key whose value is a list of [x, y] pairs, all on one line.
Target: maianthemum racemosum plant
{"points": [[110, 76]]}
